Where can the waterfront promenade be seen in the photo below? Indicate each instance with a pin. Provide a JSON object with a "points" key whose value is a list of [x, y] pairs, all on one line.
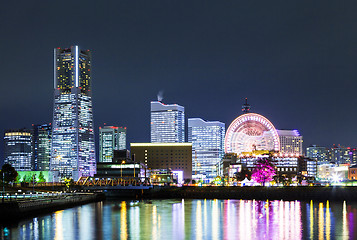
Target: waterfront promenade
{"points": [[321, 193], [17, 206]]}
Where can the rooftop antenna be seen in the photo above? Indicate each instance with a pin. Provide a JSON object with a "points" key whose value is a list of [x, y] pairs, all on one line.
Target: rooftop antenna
{"points": [[246, 106]]}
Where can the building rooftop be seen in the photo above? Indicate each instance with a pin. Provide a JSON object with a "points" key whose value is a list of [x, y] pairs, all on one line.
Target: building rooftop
{"points": [[199, 122], [288, 133], [157, 106]]}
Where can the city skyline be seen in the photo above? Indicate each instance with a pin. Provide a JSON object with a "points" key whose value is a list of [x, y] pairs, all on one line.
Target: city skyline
{"points": [[207, 56]]}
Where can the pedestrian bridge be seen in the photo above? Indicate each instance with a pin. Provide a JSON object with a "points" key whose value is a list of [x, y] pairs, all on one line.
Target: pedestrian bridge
{"points": [[116, 183]]}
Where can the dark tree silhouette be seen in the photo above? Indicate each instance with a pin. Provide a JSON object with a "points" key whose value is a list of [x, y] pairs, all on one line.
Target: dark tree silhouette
{"points": [[244, 173], [9, 172]]}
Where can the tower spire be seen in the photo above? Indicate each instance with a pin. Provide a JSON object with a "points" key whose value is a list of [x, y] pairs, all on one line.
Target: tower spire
{"points": [[246, 106]]}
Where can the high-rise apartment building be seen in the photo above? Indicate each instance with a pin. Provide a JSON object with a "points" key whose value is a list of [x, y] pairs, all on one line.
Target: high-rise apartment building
{"points": [[41, 146], [167, 123], [121, 138], [207, 140], [18, 150], [320, 154], [290, 142], [111, 138], [73, 150]]}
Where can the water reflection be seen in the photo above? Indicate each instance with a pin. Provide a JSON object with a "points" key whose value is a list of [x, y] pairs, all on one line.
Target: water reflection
{"points": [[193, 219]]}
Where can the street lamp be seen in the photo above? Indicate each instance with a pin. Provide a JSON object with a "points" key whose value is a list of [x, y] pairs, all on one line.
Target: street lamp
{"points": [[3, 183], [3, 186], [33, 182], [121, 168]]}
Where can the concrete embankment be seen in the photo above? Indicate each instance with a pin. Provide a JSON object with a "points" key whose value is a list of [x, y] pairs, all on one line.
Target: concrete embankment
{"points": [[17, 209], [259, 193]]}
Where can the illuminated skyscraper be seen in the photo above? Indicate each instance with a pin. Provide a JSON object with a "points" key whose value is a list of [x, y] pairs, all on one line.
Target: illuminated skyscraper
{"points": [[17, 149], [207, 140], [290, 142], [111, 138], [73, 151], [41, 146], [167, 123]]}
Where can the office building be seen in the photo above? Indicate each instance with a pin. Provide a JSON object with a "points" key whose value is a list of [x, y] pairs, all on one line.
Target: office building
{"points": [[353, 156], [41, 147], [339, 154], [111, 138], [73, 151], [167, 123], [176, 157], [18, 150], [290, 142], [207, 140], [320, 154]]}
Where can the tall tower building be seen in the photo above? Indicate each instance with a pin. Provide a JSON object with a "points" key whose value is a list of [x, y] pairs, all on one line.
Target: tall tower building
{"points": [[207, 140], [41, 146], [167, 123], [73, 150], [290, 142], [17, 149], [111, 138]]}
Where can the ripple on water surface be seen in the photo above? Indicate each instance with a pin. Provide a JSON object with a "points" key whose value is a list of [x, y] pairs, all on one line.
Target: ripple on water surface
{"points": [[193, 219]]}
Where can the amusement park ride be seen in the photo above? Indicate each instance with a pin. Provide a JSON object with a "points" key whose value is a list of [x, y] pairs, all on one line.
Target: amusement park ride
{"points": [[249, 132]]}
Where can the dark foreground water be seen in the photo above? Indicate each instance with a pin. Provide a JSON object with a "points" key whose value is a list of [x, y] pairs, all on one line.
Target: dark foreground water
{"points": [[193, 219]]}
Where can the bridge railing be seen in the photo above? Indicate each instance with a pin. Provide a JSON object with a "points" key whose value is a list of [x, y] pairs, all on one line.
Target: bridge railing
{"points": [[113, 181]]}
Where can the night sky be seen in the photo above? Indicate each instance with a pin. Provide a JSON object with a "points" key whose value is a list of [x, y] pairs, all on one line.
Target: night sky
{"points": [[295, 61]]}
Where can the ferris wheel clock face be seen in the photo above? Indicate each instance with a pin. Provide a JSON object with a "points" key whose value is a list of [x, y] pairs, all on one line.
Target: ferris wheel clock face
{"points": [[250, 132]]}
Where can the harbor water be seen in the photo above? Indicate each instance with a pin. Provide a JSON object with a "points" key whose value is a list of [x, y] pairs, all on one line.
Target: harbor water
{"points": [[192, 219]]}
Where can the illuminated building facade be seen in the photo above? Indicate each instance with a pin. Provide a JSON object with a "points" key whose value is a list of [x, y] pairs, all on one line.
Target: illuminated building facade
{"points": [[167, 123], [320, 154], [174, 156], [352, 172], [73, 150], [285, 164], [207, 138], [41, 146], [18, 150], [290, 142], [111, 138], [331, 172], [339, 154], [353, 155]]}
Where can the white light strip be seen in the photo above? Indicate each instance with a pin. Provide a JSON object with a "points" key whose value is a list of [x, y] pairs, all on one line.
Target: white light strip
{"points": [[160, 144], [76, 62], [54, 68]]}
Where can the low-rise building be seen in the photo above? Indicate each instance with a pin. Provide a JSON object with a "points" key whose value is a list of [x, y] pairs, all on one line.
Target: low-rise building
{"points": [[288, 165], [176, 157], [352, 172], [332, 172]]}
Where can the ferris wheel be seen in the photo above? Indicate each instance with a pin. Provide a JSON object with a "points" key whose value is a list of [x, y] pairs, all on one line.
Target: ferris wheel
{"points": [[250, 132]]}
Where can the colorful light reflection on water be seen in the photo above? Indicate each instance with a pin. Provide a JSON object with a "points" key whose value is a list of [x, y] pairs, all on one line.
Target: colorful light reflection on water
{"points": [[193, 219]]}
